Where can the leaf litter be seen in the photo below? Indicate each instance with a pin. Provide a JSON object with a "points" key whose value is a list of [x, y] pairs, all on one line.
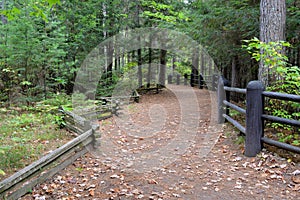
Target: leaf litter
{"points": [[225, 173]]}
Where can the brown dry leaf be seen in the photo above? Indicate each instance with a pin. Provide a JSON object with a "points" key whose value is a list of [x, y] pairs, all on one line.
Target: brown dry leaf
{"points": [[136, 191], [114, 176], [297, 187], [264, 175], [124, 140], [296, 179], [45, 142], [45, 188], [92, 192], [152, 181], [91, 186], [115, 190], [84, 180]]}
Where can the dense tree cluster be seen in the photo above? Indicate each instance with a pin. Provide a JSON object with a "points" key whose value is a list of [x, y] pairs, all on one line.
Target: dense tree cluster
{"points": [[43, 43]]}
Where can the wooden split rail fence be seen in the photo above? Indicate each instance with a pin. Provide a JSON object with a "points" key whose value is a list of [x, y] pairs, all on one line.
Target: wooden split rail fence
{"points": [[254, 112], [24, 180], [200, 81]]}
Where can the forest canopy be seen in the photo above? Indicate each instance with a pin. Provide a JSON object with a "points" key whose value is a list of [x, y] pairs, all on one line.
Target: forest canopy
{"points": [[43, 43]]}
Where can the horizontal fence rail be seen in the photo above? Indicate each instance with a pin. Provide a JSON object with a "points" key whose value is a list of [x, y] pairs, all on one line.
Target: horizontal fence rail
{"points": [[237, 90], [225, 104], [255, 117], [201, 81], [24, 180], [235, 107], [39, 171], [235, 123], [282, 96], [281, 120], [280, 144]]}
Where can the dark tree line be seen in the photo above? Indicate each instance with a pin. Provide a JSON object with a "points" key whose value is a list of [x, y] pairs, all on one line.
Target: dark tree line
{"points": [[43, 44]]}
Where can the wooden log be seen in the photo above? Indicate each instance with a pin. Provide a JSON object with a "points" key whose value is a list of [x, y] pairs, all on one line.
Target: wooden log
{"points": [[254, 121], [26, 187], [221, 97], [178, 79], [37, 165], [76, 117]]}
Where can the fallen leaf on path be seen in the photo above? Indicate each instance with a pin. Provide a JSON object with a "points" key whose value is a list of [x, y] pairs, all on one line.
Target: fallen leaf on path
{"points": [[296, 179], [152, 181], [297, 187], [92, 192]]}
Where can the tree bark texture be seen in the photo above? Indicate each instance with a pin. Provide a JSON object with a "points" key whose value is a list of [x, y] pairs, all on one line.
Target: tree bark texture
{"points": [[272, 29], [149, 75], [3, 18], [162, 68]]}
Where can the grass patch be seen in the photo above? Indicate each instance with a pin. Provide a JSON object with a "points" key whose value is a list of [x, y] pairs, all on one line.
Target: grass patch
{"points": [[26, 134]]}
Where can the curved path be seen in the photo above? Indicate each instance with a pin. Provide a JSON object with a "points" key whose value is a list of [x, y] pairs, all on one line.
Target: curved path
{"points": [[169, 147]]}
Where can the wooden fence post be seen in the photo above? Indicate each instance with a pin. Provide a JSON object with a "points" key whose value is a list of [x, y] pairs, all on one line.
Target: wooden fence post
{"points": [[222, 95], [170, 79], [192, 80], [214, 82], [201, 82], [95, 143], [254, 122], [87, 125], [221, 98], [185, 79], [178, 79]]}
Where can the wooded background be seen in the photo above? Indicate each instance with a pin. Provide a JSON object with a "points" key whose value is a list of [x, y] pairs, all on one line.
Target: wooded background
{"points": [[43, 43]]}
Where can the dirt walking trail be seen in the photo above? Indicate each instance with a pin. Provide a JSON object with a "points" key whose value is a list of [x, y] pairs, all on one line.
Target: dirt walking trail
{"points": [[168, 146]]}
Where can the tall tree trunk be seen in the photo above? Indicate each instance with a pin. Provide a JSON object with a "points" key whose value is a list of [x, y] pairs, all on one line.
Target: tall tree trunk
{"points": [[195, 67], [233, 72], [202, 63], [162, 68], [2, 7], [110, 52], [174, 64], [149, 67], [139, 51], [234, 78], [140, 73], [272, 28]]}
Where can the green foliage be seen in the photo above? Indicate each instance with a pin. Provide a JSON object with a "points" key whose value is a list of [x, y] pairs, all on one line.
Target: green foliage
{"points": [[268, 53], [108, 82], [26, 132], [37, 8], [220, 26], [164, 14], [129, 66], [240, 140], [287, 81], [183, 68], [2, 152]]}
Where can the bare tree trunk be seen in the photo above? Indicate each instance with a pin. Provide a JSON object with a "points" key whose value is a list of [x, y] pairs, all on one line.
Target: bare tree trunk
{"points": [[174, 64], [149, 67], [140, 73], [162, 69], [202, 63], [139, 51], [233, 73], [272, 28], [195, 67], [110, 52], [2, 7], [234, 80], [195, 60]]}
